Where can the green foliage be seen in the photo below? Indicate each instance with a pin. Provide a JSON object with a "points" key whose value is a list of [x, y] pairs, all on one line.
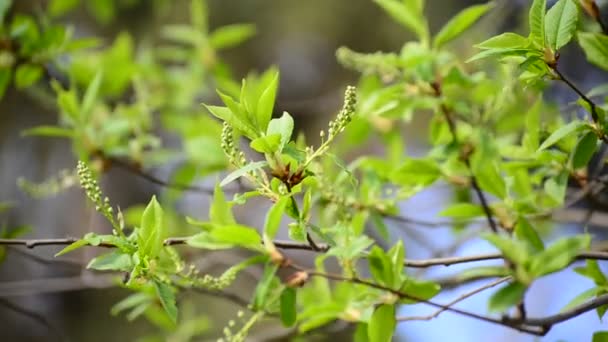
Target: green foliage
{"points": [[505, 151]]}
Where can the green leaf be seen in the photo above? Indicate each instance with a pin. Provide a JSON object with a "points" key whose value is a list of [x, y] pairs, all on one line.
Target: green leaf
{"points": [[380, 266], [555, 187], [511, 249], [113, 261], [266, 102], [489, 178], [288, 306], [243, 171], [27, 74], [274, 215], [560, 23], [561, 133], [462, 211], [220, 211], [559, 255], [537, 22], [167, 299], [506, 40], [74, 245], [525, 232], [408, 16], [413, 172], [90, 96], [582, 298], [260, 297], [419, 290], [152, 230], [584, 150], [595, 46], [231, 35], [237, 122], [600, 336], [506, 297], [267, 144], [382, 324], [460, 23], [593, 271], [49, 131], [205, 240], [239, 235], [282, 126]]}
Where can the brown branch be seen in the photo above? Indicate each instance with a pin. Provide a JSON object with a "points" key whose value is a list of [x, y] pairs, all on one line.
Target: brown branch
{"points": [[455, 301], [517, 326], [447, 114], [593, 107], [321, 248], [34, 316]]}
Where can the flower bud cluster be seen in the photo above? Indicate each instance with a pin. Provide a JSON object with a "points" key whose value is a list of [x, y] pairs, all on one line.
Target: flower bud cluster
{"points": [[235, 156], [93, 192], [345, 115]]}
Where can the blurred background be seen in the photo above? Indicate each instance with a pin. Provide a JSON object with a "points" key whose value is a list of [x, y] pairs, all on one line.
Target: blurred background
{"points": [[301, 38]]}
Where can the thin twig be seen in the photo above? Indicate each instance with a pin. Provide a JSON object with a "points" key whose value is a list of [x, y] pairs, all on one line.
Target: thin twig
{"points": [[455, 301], [35, 316], [287, 245]]}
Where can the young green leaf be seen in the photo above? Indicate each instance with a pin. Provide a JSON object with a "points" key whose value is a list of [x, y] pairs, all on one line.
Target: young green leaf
{"points": [[220, 211], [282, 126], [583, 297], [462, 211], [408, 16], [239, 235], [267, 144], [559, 255], [49, 131], [584, 150], [525, 232], [592, 271], [595, 46], [600, 336], [152, 230], [537, 22], [231, 35], [167, 299], [419, 290], [243, 171], [507, 297], [560, 23], [237, 122], [73, 246], [27, 74], [382, 324], [266, 102], [414, 172], [274, 215], [288, 306], [460, 23], [260, 297], [513, 250], [506, 40], [380, 266], [561, 133], [90, 96], [113, 261]]}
